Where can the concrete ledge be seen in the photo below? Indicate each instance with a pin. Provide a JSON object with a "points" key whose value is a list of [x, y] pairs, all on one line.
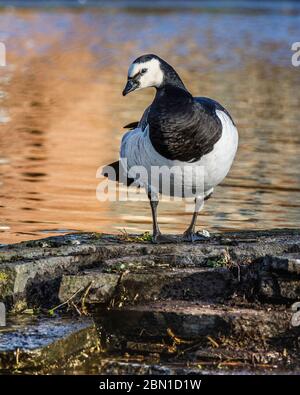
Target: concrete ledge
{"points": [[29, 343], [192, 321], [228, 298], [31, 272]]}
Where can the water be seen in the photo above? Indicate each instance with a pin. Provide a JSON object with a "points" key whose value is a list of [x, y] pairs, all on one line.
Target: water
{"points": [[31, 333], [62, 112]]}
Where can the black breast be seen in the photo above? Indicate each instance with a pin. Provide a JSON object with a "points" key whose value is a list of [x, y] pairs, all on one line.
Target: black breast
{"points": [[182, 127]]}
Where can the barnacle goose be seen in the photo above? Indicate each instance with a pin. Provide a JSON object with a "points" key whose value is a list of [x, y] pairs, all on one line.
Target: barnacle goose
{"points": [[176, 131]]}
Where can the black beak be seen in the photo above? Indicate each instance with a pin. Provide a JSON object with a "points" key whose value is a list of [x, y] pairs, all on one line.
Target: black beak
{"points": [[130, 87]]}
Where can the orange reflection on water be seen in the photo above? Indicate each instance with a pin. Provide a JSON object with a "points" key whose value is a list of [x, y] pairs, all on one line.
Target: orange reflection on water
{"points": [[62, 116]]}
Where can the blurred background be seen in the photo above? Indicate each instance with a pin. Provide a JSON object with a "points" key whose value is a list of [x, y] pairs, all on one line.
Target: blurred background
{"points": [[62, 112]]}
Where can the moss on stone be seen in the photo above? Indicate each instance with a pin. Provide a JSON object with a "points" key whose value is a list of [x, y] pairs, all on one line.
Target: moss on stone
{"points": [[3, 277]]}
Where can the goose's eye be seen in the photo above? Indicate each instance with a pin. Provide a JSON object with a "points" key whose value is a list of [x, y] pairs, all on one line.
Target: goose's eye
{"points": [[143, 71]]}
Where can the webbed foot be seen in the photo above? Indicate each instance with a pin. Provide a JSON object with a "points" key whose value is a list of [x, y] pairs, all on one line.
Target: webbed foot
{"points": [[191, 237], [158, 238]]}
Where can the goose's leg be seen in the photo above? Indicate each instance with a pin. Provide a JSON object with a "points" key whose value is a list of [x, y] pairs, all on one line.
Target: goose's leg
{"points": [[157, 237], [153, 204], [190, 234]]}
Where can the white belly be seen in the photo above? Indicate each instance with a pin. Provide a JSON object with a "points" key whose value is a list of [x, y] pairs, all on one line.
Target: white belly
{"points": [[136, 147]]}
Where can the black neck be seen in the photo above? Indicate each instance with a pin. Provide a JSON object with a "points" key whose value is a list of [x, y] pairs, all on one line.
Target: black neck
{"points": [[171, 78]]}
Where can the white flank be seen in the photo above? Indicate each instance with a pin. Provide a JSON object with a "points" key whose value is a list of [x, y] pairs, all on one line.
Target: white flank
{"points": [[136, 147]]}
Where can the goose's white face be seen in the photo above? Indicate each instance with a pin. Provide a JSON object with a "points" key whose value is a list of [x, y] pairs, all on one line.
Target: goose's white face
{"points": [[144, 75]]}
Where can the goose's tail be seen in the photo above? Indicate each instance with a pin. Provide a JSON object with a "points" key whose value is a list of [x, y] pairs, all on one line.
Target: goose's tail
{"points": [[115, 172]]}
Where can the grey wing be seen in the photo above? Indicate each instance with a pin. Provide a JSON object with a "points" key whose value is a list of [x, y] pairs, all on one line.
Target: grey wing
{"points": [[144, 120], [141, 124], [134, 126]]}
